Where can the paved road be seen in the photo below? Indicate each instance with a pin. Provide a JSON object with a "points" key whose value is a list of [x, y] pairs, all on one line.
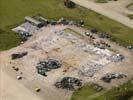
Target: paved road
{"points": [[109, 13]]}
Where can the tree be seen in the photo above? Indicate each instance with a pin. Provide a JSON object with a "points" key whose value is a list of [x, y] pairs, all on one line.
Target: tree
{"points": [[69, 4]]}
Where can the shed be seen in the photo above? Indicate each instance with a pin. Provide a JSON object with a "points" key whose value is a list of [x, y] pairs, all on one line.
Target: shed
{"points": [[34, 21]]}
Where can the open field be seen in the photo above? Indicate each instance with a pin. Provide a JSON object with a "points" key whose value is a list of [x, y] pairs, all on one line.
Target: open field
{"points": [[123, 92], [13, 12]]}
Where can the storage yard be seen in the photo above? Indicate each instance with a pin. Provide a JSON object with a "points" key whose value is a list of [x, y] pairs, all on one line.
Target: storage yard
{"points": [[56, 58]]}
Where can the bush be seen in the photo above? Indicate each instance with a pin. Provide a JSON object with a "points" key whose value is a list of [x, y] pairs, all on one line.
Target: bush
{"points": [[69, 4]]}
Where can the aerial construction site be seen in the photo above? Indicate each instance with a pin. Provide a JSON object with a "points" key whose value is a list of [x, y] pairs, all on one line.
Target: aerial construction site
{"points": [[57, 58]]}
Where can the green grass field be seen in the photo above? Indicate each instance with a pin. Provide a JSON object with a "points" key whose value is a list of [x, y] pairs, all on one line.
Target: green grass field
{"points": [[12, 13], [123, 92], [87, 92]]}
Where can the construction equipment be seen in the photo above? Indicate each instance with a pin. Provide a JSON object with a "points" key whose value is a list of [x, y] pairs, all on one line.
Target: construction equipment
{"points": [[19, 77], [15, 68], [24, 35], [130, 48], [94, 30], [18, 55], [37, 89]]}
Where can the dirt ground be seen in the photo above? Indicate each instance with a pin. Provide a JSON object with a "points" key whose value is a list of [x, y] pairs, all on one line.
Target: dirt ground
{"points": [[52, 42], [114, 10], [11, 89]]}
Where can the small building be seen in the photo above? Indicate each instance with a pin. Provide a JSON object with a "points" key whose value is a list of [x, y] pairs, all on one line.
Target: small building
{"points": [[43, 19], [34, 21]]}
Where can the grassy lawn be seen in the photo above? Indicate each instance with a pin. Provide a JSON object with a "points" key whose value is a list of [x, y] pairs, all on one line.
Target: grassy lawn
{"points": [[12, 12], [8, 39], [123, 92], [84, 93]]}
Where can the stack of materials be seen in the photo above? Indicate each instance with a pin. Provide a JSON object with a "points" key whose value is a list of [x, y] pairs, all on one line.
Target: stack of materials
{"points": [[47, 65], [69, 83], [116, 58], [90, 70], [109, 76]]}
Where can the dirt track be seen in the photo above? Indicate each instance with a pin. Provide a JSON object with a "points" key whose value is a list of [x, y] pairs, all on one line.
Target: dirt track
{"points": [[106, 12], [13, 87]]}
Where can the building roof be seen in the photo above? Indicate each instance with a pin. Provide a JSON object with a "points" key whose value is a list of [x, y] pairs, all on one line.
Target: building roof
{"points": [[32, 20]]}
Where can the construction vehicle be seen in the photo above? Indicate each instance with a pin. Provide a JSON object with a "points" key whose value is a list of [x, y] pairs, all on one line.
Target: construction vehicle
{"points": [[37, 89]]}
